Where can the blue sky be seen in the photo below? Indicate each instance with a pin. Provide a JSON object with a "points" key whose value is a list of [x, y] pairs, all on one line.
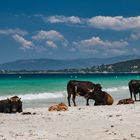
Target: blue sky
{"points": [[68, 29]]}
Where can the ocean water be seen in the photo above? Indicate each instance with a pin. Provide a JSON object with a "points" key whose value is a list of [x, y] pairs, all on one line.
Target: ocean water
{"points": [[43, 89]]}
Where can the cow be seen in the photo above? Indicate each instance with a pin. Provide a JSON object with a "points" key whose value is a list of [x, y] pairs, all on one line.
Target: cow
{"points": [[81, 88], [16, 104], [58, 107], [11, 105], [134, 88], [5, 106], [126, 101], [101, 98]]}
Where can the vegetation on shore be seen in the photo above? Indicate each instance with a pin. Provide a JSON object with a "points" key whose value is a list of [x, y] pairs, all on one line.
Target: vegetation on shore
{"points": [[132, 66]]}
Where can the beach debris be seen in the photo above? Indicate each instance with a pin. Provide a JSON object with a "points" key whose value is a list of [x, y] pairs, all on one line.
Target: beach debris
{"points": [[118, 115], [58, 107], [126, 101], [110, 115], [112, 126], [28, 113]]}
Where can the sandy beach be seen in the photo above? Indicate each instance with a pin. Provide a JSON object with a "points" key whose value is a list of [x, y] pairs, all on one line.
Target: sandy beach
{"points": [[116, 122]]}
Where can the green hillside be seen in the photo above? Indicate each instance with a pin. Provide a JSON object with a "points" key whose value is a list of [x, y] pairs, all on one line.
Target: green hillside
{"points": [[126, 66]]}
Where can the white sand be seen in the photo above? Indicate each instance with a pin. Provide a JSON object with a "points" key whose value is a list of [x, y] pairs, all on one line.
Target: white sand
{"points": [[116, 122]]}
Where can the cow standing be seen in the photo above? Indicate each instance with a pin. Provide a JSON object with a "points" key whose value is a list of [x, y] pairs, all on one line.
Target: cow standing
{"points": [[82, 88], [134, 88]]}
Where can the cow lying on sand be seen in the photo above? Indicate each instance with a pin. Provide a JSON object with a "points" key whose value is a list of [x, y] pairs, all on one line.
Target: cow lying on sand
{"points": [[101, 98], [11, 105], [134, 88], [81, 88], [58, 107], [126, 101]]}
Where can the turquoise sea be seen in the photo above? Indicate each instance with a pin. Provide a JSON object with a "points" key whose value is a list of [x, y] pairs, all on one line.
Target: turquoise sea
{"points": [[43, 89]]}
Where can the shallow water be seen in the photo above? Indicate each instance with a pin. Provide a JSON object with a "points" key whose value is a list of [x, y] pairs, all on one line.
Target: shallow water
{"points": [[42, 89]]}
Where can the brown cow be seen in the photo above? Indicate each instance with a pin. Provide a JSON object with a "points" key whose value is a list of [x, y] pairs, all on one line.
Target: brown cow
{"points": [[126, 101], [81, 88], [58, 107], [101, 98]]}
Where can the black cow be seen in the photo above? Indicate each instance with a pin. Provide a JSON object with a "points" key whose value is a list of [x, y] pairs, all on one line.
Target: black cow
{"points": [[11, 105], [82, 88], [5, 106], [134, 88]]}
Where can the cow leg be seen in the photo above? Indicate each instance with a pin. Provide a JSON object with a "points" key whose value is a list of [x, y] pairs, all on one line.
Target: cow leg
{"points": [[87, 102], [69, 96], [131, 94], [73, 99], [135, 97], [131, 91]]}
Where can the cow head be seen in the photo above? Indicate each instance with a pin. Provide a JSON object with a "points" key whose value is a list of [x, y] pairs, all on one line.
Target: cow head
{"points": [[97, 87], [15, 104], [93, 92]]}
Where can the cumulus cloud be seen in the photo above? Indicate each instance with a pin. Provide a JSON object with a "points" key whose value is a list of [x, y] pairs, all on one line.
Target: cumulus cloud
{"points": [[63, 19], [115, 23], [135, 36], [24, 43], [96, 45], [48, 35], [100, 22], [96, 41], [13, 31], [51, 38], [51, 44]]}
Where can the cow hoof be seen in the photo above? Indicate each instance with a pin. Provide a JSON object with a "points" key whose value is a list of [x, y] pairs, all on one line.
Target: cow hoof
{"points": [[87, 104]]}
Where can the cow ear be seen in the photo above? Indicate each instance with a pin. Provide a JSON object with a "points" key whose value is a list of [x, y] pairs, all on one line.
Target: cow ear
{"points": [[19, 100]]}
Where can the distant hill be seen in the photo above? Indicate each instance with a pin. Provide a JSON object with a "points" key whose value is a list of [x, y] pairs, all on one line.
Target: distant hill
{"points": [[52, 64], [126, 66]]}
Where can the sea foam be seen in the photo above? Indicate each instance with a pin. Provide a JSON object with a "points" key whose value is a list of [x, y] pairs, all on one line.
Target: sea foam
{"points": [[35, 96], [119, 91]]}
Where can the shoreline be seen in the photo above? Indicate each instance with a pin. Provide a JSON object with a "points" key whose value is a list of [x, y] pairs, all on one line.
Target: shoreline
{"points": [[41, 72], [116, 122]]}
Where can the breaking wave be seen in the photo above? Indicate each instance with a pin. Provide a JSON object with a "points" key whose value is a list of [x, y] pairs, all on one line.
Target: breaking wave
{"points": [[61, 94], [116, 89], [35, 96]]}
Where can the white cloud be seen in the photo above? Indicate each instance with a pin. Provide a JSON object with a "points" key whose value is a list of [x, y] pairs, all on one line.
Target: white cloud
{"points": [[115, 23], [51, 38], [100, 22], [24, 43], [63, 19], [48, 35], [96, 41], [51, 44], [96, 45], [13, 31], [135, 36]]}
